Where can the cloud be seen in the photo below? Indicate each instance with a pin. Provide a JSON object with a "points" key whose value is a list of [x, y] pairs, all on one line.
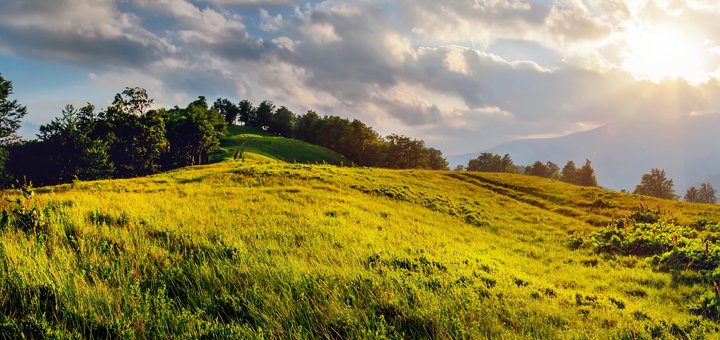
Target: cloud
{"points": [[429, 69], [92, 33], [270, 23], [221, 32], [253, 2]]}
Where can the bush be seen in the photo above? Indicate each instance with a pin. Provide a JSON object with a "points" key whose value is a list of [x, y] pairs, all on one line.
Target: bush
{"points": [[22, 216]]}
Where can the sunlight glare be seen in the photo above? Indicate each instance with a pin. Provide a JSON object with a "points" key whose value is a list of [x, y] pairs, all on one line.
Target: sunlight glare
{"points": [[658, 53]]}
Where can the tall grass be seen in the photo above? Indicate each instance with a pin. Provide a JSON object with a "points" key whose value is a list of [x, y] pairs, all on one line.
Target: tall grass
{"points": [[253, 250]]}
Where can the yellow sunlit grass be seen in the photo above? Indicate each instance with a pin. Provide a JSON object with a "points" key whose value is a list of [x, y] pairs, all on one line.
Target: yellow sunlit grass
{"points": [[248, 249], [656, 53]]}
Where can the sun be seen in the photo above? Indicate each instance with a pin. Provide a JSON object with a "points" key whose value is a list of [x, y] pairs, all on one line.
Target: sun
{"points": [[656, 53]]}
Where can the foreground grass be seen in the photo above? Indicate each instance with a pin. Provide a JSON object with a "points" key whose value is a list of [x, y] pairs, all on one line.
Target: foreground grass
{"points": [[249, 249], [255, 144]]}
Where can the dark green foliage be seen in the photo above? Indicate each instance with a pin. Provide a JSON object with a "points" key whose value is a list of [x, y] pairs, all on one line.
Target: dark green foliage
{"points": [[129, 139], [133, 101], [193, 133], [264, 115], [11, 112], [708, 305], [306, 126], [125, 140], [21, 216], [488, 162], [406, 153], [228, 109], [282, 122], [657, 185], [76, 153], [246, 113], [668, 247], [363, 146]]}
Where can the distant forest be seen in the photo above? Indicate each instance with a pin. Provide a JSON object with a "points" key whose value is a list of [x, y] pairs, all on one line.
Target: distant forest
{"points": [[129, 138], [655, 183]]}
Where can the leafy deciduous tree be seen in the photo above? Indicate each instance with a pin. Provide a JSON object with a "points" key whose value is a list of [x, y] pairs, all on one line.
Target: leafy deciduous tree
{"points": [[586, 175], [263, 114], [228, 109], [488, 162], [656, 184], [569, 173], [11, 113], [704, 194]]}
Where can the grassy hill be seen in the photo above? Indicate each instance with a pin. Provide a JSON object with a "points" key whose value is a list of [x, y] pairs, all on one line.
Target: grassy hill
{"points": [[256, 144], [252, 250]]}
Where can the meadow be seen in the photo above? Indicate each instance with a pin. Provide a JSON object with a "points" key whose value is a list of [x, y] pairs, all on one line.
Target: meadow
{"points": [[254, 143], [260, 249]]}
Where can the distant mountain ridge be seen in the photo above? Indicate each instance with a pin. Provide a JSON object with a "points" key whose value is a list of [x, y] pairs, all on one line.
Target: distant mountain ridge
{"points": [[688, 149]]}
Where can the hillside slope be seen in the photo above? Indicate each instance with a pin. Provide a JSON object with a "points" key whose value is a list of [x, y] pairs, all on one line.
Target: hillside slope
{"points": [[250, 250], [253, 143]]}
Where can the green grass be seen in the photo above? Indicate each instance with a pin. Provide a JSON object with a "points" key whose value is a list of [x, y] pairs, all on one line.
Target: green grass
{"points": [[256, 144], [252, 249]]}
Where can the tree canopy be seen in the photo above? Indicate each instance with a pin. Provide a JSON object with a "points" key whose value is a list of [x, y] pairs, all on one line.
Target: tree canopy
{"points": [[126, 139], [488, 162], [656, 184], [131, 138], [586, 175], [704, 194]]}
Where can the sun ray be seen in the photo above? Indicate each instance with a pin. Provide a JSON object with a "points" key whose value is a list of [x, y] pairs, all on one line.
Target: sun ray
{"points": [[656, 53]]}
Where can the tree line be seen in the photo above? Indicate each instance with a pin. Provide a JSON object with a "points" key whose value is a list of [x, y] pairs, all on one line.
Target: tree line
{"points": [[353, 139], [655, 183], [129, 138], [488, 162]]}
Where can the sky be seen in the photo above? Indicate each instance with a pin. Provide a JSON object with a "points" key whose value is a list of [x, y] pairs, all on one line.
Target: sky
{"points": [[462, 75]]}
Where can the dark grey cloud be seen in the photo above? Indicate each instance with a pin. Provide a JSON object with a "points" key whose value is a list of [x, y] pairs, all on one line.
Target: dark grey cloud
{"points": [[93, 34], [99, 52]]}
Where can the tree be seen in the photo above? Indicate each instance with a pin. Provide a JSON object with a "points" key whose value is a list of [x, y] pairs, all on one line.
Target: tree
{"points": [[11, 113], [72, 152], [228, 109], [132, 100], [436, 160], [569, 173], [553, 171], [136, 139], [306, 127], [282, 122], [363, 145], [586, 175], [705, 194], [406, 153], [193, 133], [246, 113], [692, 195], [657, 185], [538, 169], [488, 162], [264, 114]]}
